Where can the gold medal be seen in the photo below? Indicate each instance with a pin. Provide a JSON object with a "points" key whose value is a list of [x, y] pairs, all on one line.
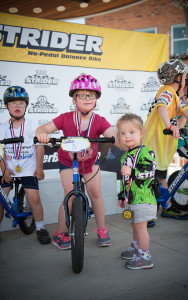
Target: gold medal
{"points": [[18, 169], [127, 214]]}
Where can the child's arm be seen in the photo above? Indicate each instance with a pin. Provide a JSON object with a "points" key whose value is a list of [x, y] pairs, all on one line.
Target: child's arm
{"points": [[42, 132], [7, 173], [163, 112], [181, 122], [109, 133], [40, 156]]}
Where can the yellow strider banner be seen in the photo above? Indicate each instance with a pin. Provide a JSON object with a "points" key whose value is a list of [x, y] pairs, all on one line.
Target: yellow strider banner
{"points": [[32, 40]]}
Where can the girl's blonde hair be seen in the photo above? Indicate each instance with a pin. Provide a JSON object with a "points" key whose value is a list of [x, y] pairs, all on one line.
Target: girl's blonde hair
{"points": [[137, 120]]}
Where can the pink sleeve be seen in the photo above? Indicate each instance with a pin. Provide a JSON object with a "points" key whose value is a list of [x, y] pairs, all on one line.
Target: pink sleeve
{"points": [[104, 125], [59, 122]]}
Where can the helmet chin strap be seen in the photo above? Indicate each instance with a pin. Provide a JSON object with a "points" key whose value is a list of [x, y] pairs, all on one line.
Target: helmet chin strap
{"points": [[85, 113], [17, 118]]}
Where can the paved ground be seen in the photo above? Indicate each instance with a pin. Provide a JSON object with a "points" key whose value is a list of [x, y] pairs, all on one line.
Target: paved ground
{"points": [[29, 270]]}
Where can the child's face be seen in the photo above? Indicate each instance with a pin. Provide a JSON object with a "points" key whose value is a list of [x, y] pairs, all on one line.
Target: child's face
{"points": [[182, 90], [16, 108], [86, 104], [129, 134]]}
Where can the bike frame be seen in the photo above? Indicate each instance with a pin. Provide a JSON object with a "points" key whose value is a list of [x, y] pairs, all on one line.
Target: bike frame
{"points": [[77, 193], [11, 208], [166, 194]]}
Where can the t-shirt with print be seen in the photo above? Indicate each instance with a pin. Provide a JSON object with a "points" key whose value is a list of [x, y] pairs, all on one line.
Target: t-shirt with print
{"points": [[66, 123], [164, 146], [141, 189], [27, 159]]}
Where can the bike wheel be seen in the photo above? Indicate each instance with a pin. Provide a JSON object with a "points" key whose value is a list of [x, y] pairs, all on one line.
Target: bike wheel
{"points": [[77, 235], [27, 225], [180, 198]]}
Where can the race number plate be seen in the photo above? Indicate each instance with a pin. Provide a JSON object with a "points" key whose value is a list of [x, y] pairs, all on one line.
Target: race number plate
{"points": [[75, 144]]}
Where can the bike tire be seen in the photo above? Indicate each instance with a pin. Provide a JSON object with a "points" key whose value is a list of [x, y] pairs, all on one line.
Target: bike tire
{"points": [[179, 200], [77, 235], [27, 225]]}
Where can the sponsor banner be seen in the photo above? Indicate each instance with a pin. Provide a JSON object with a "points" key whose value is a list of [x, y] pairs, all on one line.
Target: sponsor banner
{"points": [[33, 40], [126, 71], [48, 89]]}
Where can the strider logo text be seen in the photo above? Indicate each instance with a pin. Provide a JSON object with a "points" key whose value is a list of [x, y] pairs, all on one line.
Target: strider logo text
{"points": [[33, 38]]}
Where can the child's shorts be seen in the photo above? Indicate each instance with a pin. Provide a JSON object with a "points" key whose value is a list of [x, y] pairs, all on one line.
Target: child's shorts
{"points": [[28, 182], [143, 212]]}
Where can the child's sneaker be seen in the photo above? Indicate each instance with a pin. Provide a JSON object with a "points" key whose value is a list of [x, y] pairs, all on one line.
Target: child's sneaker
{"points": [[174, 213], [62, 240], [151, 223], [138, 262], [43, 236], [103, 237], [128, 254]]}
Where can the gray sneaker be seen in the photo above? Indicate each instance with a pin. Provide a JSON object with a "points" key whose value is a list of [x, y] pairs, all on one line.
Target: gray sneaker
{"points": [[62, 240], [138, 262], [128, 254], [103, 237]]}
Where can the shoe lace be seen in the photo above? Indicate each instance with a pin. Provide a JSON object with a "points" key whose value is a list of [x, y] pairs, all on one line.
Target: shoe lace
{"points": [[102, 232], [64, 237], [136, 257]]}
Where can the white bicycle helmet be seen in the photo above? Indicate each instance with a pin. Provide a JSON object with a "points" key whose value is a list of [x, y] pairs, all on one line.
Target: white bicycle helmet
{"points": [[170, 69]]}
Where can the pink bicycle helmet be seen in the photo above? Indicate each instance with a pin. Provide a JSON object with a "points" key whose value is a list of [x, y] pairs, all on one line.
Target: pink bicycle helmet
{"points": [[85, 82]]}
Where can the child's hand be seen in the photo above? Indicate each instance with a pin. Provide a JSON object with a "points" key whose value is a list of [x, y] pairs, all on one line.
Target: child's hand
{"points": [[121, 203], [175, 131], [7, 176], [125, 170], [39, 173], [43, 138]]}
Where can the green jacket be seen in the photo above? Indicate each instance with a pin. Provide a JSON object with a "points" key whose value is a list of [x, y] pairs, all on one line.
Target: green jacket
{"points": [[141, 190]]}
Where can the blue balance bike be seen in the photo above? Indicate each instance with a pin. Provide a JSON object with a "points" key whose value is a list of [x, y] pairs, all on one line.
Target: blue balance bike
{"points": [[18, 209]]}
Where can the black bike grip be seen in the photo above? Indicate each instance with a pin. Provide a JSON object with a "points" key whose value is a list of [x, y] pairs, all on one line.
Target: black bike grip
{"points": [[108, 140], [35, 140], [52, 141], [19, 139], [103, 140], [167, 131]]}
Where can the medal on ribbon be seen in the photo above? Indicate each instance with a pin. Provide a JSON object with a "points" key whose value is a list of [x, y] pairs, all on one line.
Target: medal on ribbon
{"points": [[127, 213], [17, 148], [18, 169]]}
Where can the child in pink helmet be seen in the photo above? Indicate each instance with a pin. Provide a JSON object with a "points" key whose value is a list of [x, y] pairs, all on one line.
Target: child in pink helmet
{"points": [[85, 90]]}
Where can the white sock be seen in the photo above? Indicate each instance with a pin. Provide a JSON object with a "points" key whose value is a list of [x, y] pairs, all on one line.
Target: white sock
{"points": [[39, 225]]}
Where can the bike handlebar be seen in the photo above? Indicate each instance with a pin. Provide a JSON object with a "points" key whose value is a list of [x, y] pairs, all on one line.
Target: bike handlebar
{"points": [[53, 141], [12, 140], [183, 131]]}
